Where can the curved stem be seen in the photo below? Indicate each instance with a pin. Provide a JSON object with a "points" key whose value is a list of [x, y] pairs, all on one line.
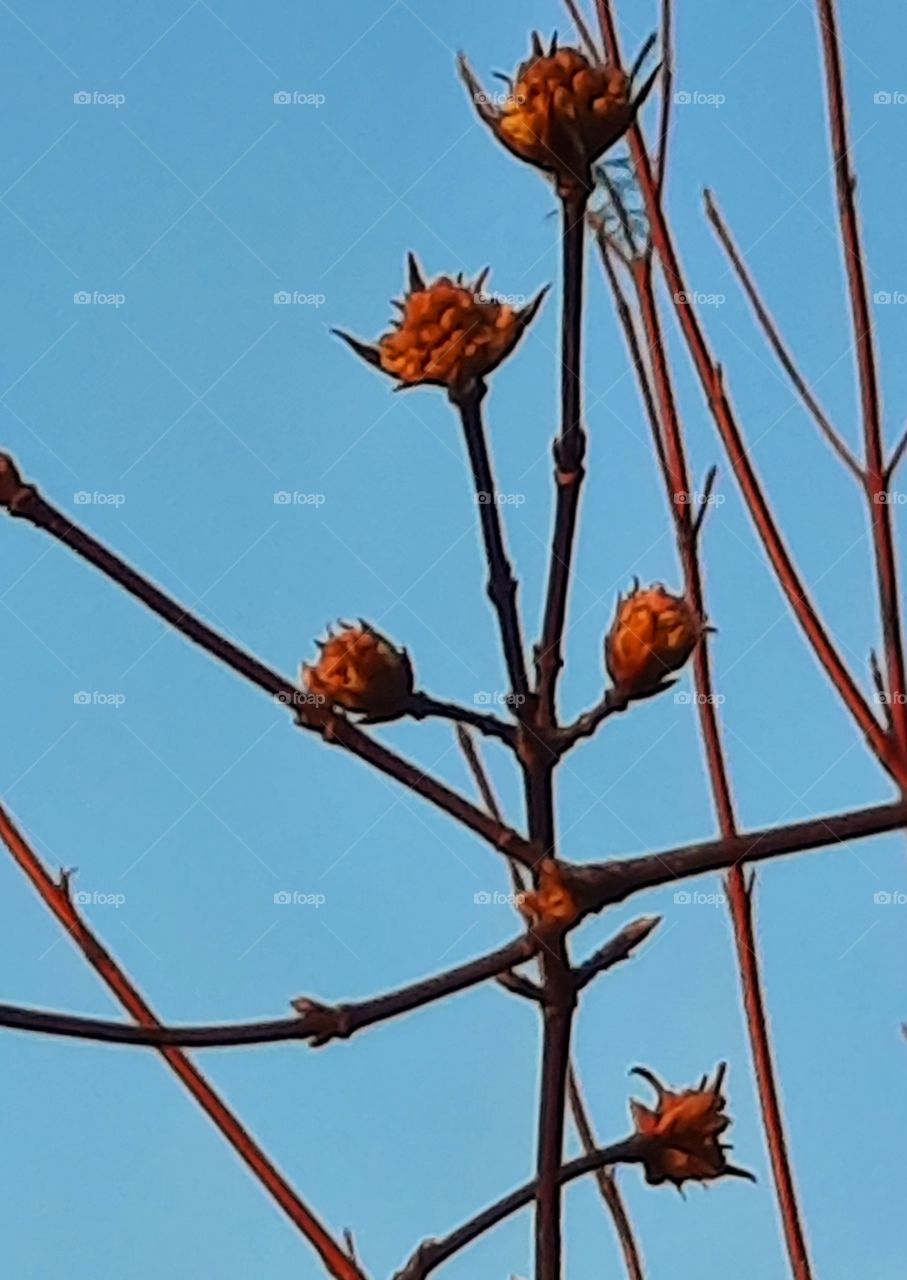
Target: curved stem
{"points": [[435, 1252]]}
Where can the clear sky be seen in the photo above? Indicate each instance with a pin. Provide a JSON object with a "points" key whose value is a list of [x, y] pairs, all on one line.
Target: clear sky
{"points": [[182, 403]]}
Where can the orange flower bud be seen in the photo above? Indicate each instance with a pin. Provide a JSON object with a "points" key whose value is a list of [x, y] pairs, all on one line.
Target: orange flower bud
{"points": [[563, 111], [684, 1130], [359, 670], [449, 334], [550, 907], [652, 635]]}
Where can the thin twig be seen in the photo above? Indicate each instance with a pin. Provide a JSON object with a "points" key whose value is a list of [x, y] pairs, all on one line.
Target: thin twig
{"points": [[57, 898], [25, 502], [867, 365], [607, 1183], [775, 340], [317, 1023], [667, 91], [489, 799], [429, 1256], [616, 950], [896, 456], [502, 585], [582, 28], [569, 451], [421, 706]]}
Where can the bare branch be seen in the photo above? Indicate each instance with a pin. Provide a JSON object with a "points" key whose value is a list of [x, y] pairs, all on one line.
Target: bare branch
{"points": [[775, 340], [502, 585], [582, 28], [421, 706], [429, 1256], [317, 1023], [24, 501]]}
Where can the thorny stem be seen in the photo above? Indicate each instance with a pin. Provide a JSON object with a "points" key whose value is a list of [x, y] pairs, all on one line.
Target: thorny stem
{"points": [[317, 1023], [607, 1183], [57, 898], [876, 476], [502, 585], [710, 376], [25, 502]]}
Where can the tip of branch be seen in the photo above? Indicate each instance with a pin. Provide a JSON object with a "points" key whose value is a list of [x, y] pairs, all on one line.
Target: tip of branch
{"points": [[10, 479]]}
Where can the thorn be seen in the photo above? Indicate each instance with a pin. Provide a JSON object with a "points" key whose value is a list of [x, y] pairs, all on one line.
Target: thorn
{"points": [[553, 50], [370, 354], [537, 49], [649, 1076], [642, 55], [416, 281]]}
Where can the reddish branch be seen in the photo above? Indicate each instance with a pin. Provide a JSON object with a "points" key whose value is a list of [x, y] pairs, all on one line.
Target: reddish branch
{"points": [[665, 424], [876, 476], [24, 501], [316, 1023], [710, 376], [776, 341], [57, 898]]}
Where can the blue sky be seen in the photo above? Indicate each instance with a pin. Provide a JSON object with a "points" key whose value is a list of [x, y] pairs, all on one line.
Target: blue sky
{"points": [[180, 198]]}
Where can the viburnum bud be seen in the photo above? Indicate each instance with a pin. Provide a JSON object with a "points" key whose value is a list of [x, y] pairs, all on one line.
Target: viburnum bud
{"points": [[684, 1132], [361, 671], [653, 634], [449, 333], [550, 907], [563, 111]]}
